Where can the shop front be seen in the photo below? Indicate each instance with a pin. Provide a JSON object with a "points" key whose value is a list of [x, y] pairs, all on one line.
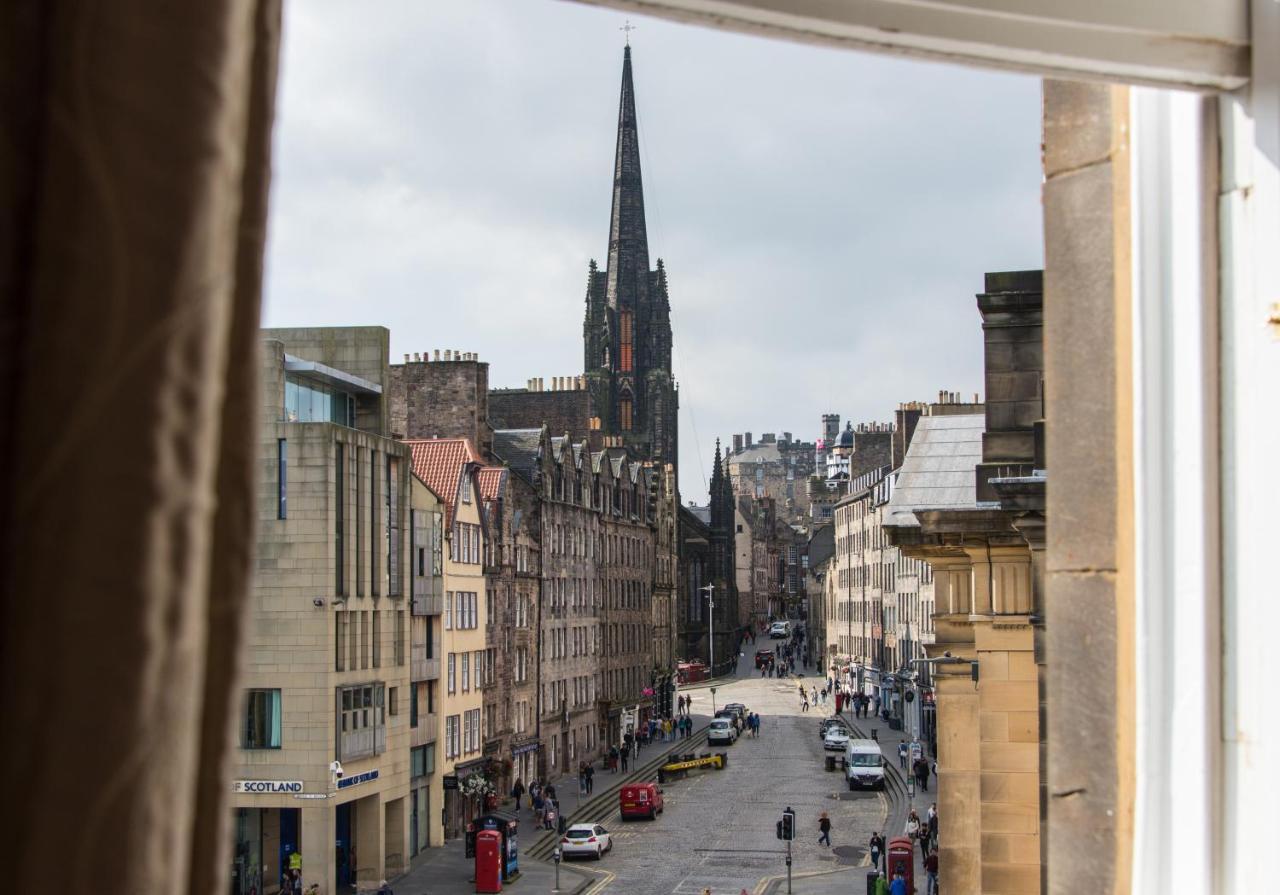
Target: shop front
{"points": [[266, 846], [524, 761]]}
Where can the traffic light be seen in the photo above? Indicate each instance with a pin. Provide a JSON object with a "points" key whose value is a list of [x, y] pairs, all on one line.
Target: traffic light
{"points": [[787, 826]]}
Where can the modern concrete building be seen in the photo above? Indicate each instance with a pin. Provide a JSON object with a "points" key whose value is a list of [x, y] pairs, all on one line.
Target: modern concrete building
{"points": [[323, 767], [450, 467]]}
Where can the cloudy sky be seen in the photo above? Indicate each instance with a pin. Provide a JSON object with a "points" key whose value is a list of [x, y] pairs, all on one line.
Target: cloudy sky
{"points": [[444, 170]]}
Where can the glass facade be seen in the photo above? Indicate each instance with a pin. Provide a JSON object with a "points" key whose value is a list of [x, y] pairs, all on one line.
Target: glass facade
{"points": [[246, 866], [314, 402]]}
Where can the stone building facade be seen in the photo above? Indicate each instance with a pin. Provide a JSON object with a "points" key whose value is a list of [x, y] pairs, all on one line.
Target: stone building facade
{"points": [[326, 666], [774, 468], [450, 467], [987, 559]]}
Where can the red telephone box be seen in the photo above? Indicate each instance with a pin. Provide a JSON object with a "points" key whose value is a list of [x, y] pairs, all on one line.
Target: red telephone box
{"points": [[488, 861], [901, 858]]}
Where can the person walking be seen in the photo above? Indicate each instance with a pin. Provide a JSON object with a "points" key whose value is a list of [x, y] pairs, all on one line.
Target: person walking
{"points": [[625, 753], [824, 826], [591, 778], [913, 825], [517, 791], [931, 871], [882, 885], [899, 885], [902, 755], [921, 769], [876, 847]]}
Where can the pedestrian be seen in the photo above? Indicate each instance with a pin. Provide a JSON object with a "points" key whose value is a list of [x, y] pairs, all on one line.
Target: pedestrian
{"points": [[924, 841], [613, 759], [876, 847], [902, 755], [882, 885], [624, 760], [921, 769], [582, 778], [899, 885], [913, 825], [537, 804], [931, 868], [517, 791], [804, 701], [932, 821], [824, 825], [591, 779]]}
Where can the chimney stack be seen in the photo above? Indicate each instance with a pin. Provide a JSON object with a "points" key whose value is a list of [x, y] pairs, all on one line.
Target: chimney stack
{"points": [[737, 443]]}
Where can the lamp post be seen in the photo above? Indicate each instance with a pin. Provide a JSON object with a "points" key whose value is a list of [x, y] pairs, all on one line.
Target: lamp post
{"points": [[711, 626]]}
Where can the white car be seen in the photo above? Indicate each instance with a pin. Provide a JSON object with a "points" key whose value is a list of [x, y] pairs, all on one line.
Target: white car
{"points": [[585, 839], [836, 737], [780, 630], [721, 731]]}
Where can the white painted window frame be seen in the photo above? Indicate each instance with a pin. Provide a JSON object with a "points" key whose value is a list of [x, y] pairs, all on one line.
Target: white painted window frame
{"points": [[1207, 441]]}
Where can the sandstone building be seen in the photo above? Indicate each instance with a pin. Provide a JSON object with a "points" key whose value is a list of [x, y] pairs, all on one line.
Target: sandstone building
{"points": [[985, 546], [326, 666]]}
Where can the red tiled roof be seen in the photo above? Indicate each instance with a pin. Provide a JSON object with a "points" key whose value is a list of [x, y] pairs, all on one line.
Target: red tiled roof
{"points": [[439, 463], [491, 481]]}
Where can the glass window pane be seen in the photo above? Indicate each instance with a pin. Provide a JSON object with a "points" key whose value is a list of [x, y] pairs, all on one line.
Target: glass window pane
{"points": [[291, 401]]}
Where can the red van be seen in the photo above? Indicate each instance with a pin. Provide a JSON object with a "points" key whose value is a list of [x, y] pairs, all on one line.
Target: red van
{"points": [[640, 800]]}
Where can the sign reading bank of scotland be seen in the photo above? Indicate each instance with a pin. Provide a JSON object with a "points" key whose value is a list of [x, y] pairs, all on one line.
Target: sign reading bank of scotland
{"points": [[268, 786]]}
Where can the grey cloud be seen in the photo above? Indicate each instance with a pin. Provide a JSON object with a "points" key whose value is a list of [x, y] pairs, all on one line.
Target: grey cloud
{"points": [[826, 217]]}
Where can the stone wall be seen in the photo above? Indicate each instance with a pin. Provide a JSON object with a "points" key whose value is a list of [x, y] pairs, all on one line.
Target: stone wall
{"points": [[441, 399], [562, 411]]}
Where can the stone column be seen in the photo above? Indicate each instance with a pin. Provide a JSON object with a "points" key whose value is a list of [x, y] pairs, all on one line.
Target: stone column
{"points": [[370, 838], [317, 835], [959, 779], [1089, 451]]}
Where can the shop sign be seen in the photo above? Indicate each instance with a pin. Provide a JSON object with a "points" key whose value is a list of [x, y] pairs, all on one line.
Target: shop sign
{"points": [[450, 781], [311, 795], [268, 786], [357, 779], [523, 748]]}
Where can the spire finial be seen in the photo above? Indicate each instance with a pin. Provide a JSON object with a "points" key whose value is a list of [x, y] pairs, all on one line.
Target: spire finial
{"points": [[627, 28]]}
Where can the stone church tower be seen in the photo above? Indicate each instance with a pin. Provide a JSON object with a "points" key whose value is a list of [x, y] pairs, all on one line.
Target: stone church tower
{"points": [[627, 330]]}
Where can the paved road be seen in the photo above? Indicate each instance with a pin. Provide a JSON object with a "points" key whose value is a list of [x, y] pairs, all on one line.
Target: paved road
{"points": [[718, 828]]}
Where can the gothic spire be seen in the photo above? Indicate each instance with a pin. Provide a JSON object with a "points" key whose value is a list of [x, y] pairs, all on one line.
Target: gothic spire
{"points": [[628, 263]]}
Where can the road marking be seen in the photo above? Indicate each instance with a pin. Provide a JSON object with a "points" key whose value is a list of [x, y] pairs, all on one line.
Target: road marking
{"points": [[607, 877]]}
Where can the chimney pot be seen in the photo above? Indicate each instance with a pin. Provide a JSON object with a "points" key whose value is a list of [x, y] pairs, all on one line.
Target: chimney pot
{"points": [[406, 358], [448, 354], [437, 354]]}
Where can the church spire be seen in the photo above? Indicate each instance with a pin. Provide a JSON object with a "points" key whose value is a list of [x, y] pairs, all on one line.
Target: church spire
{"points": [[628, 263]]}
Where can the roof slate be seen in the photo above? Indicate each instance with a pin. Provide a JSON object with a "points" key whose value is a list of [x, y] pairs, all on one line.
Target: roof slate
{"points": [[519, 448], [938, 470]]}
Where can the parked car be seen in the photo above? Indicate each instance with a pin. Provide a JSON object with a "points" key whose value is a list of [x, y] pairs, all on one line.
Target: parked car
{"points": [[739, 708], [732, 717], [640, 800], [722, 731], [827, 723], [585, 839], [836, 737]]}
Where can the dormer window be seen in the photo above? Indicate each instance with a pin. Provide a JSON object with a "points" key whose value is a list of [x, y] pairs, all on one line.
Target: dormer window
{"points": [[466, 489]]}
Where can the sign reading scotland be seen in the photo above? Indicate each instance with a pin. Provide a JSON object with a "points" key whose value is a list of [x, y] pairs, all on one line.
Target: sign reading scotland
{"points": [[269, 786]]}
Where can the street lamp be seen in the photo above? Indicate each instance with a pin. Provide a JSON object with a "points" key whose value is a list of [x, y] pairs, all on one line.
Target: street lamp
{"points": [[711, 626]]}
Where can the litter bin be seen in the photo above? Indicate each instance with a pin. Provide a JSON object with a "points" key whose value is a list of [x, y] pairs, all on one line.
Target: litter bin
{"points": [[872, 876], [831, 762]]}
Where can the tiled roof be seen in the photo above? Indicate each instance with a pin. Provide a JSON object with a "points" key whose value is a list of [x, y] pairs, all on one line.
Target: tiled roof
{"points": [[491, 481], [439, 463], [938, 471]]}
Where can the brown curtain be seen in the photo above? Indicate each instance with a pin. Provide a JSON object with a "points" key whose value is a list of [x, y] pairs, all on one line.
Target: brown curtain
{"points": [[134, 166]]}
